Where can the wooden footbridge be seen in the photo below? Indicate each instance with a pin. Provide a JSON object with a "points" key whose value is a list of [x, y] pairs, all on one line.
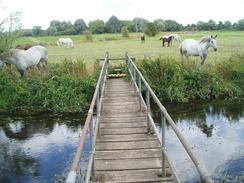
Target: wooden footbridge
{"points": [[126, 146]]}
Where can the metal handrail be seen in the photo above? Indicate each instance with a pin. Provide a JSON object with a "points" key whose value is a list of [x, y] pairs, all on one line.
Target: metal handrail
{"points": [[134, 73], [96, 100]]}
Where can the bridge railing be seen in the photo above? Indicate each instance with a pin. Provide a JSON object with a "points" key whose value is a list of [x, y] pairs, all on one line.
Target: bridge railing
{"points": [[92, 125], [138, 81]]}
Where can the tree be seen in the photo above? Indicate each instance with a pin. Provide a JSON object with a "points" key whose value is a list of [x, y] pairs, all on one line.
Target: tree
{"points": [[160, 25], [96, 26], [140, 24], [151, 29], [239, 25], [36, 31], [173, 25], [80, 26], [9, 29], [113, 24]]}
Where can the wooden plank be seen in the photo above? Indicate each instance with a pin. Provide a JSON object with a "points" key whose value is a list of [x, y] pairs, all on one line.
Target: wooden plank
{"points": [[123, 131], [128, 164], [128, 145], [112, 125], [129, 154], [125, 138], [139, 176]]}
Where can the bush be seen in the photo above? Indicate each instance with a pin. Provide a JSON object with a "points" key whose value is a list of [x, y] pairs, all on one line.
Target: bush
{"points": [[125, 32]]}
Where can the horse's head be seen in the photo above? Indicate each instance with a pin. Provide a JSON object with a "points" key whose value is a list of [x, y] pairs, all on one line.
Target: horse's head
{"points": [[213, 42]]}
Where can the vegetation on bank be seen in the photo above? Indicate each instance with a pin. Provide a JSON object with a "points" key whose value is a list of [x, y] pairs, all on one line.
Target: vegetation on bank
{"points": [[68, 86], [65, 87], [182, 81]]}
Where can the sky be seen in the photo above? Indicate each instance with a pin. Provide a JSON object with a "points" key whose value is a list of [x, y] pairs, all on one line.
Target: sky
{"points": [[42, 12]]}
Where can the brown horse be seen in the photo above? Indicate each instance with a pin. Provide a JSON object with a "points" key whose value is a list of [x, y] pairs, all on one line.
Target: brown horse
{"points": [[167, 39], [23, 47], [142, 39]]}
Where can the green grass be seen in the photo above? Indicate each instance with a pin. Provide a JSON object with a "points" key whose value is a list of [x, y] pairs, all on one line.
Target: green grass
{"points": [[229, 42]]}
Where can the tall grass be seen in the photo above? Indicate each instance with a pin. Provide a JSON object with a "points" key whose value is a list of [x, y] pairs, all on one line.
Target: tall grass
{"points": [[66, 87], [178, 81]]}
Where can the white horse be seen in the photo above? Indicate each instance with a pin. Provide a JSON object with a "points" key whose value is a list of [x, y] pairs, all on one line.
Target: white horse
{"points": [[176, 37], [173, 36], [62, 41], [22, 59], [198, 48]]}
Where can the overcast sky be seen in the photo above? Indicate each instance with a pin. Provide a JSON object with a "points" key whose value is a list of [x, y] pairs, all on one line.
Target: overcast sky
{"points": [[41, 12]]}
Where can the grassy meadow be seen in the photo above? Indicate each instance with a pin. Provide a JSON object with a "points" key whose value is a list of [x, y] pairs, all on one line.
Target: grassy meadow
{"points": [[229, 43]]}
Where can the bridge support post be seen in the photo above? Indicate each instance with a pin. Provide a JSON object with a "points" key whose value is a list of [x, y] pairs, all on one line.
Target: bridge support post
{"points": [[163, 144], [92, 144]]}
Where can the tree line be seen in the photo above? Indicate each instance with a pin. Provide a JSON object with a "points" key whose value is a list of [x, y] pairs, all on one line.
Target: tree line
{"points": [[114, 25]]}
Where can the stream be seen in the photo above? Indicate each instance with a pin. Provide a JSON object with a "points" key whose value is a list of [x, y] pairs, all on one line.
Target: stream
{"points": [[39, 148]]}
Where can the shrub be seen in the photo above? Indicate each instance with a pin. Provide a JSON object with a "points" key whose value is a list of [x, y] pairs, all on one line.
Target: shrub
{"points": [[125, 32]]}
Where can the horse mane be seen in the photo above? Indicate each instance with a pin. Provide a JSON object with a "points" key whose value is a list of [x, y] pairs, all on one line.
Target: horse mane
{"points": [[205, 39]]}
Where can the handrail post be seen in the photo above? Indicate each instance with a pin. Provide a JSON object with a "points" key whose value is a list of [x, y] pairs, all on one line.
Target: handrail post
{"points": [[148, 107], [163, 144], [140, 92], [92, 146]]}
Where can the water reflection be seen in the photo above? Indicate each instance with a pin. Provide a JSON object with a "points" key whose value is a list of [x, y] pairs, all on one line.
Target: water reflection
{"points": [[215, 131], [40, 147], [36, 148]]}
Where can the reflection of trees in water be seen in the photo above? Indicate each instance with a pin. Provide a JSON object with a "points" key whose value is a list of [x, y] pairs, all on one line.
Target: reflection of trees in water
{"points": [[22, 127], [14, 162], [197, 113]]}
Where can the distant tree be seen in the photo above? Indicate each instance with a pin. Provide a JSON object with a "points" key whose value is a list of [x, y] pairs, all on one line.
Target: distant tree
{"points": [[97, 26], [80, 26], [173, 25], [160, 25], [151, 29], [125, 32], [10, 24], [210, 25], [239, 25], [140, 24], [228, 25], [36, 31], [51, 30], [113, 25]]}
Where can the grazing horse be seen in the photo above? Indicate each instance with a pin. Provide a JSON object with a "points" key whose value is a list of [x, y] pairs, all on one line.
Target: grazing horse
{"points": [[22, 59], [167, 39], [23, 47], [198, 48], [67, 41], [175, 37], [142, 39]]}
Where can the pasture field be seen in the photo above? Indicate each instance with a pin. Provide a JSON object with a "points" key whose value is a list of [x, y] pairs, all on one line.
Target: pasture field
{"points": [[229, 43]]}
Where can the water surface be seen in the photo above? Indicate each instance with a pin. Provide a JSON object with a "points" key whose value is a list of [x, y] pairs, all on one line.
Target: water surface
{"points": [[40, 147]]}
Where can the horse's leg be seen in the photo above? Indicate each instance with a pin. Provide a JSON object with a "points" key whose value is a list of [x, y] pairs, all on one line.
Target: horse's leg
{"points": [[163, 44], [38, 66], [203, 57], [22, 72]]}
